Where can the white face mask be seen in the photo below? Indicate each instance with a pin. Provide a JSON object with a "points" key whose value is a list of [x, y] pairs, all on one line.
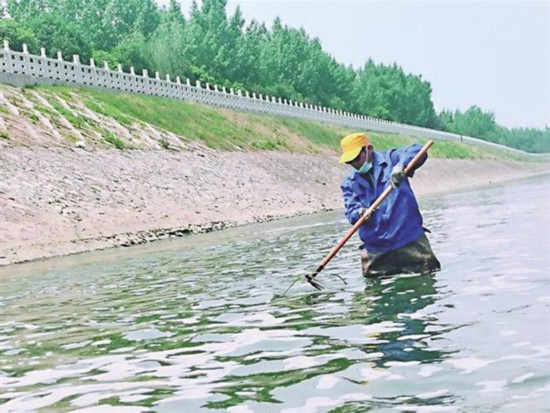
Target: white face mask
{"points": [[365, 168]]}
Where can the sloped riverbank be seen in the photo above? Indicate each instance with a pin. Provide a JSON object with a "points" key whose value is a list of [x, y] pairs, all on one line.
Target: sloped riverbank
{"points": [[61, 201], [80, 174]]}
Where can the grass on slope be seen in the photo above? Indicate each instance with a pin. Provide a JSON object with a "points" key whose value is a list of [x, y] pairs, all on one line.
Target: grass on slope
{"points": [[191, 121], [235, 130]]}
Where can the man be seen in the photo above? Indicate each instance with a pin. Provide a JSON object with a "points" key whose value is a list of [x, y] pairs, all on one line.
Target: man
{"points": [[393, 237]]}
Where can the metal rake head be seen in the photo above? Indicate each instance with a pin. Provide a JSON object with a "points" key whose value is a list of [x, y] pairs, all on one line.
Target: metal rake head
{"points": [[316, 284], [311, 279]]}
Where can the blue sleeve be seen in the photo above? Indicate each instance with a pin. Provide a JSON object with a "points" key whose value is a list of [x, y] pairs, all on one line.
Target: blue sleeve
{"points": [[402, 156], [351, 202]]}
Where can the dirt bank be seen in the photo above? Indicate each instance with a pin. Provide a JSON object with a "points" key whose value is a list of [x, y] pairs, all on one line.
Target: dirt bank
{"points": [[57, 201]]}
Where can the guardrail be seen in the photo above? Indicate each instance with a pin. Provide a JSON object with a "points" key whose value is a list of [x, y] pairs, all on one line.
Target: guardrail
{"points": [[23, 69]]}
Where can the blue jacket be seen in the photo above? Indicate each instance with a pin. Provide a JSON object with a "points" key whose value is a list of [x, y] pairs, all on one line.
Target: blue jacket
{"points": [[397, 221]]}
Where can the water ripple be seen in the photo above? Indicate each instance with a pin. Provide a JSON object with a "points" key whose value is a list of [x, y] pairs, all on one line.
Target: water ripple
{"points": [[199, 324]]}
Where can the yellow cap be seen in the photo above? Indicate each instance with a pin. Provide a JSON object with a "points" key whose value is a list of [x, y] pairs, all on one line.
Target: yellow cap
{"points": [[352, 145]]}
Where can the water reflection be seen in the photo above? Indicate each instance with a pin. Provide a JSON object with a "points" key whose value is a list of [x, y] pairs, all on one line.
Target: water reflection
{"points": [[399, 301]]}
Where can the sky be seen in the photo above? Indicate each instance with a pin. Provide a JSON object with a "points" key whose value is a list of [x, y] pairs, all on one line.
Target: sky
{"points": [[492, 54]]}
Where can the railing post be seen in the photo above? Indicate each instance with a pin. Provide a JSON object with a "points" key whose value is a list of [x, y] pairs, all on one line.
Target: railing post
{"points": [[7, 57], [43, 63], [146, 86], [77, 74]]}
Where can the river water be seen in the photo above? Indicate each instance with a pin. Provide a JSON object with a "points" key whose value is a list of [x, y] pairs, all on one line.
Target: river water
{"points": [[200, 323]]}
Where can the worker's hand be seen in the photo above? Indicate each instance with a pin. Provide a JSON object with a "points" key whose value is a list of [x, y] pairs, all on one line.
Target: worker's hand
{"points": [[397, 176], [362, 211]]}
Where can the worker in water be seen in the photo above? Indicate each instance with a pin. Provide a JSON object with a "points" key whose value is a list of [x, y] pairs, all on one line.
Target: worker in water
{"points": [[394, 240]]}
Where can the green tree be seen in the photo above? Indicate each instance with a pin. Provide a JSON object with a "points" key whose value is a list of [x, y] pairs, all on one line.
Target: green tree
{"points": [[57, 34], [22, 10], [371, 92], [252, 68], [110, 22], [213, 38], [17, 34], [476, 123], [104, 23], [132, 52], [446, 120], [235, 50], [529, 139], [387, 92], [101, 56]]}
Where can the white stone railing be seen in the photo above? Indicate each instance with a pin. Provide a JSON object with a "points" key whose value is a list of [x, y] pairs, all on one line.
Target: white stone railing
{"points": [[23, 69]]}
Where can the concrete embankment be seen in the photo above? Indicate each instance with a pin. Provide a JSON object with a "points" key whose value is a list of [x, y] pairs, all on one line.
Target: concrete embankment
{"points": [[58, 201]]}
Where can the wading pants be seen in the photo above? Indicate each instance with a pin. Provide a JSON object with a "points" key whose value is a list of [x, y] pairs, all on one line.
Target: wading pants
{"points": [[413, 258]]}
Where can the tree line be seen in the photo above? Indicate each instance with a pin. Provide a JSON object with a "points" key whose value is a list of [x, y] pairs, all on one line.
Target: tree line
{"points": [[213, 47]]}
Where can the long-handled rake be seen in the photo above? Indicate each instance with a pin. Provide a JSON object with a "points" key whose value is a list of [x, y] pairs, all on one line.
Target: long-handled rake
{"points": [[366, 215]]}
